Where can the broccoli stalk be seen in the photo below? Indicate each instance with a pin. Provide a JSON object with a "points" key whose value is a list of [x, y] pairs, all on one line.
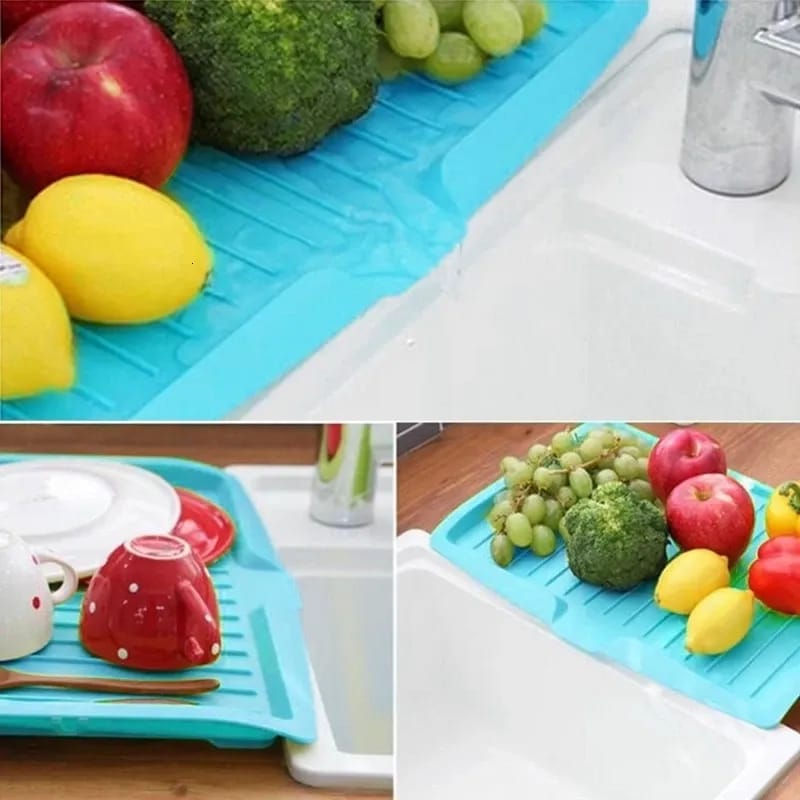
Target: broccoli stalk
{"points": [[615, 538], [273, 76]]}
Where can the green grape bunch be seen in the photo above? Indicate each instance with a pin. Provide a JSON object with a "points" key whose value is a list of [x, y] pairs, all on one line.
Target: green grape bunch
{"points": [[451, 41], [551, 478]]}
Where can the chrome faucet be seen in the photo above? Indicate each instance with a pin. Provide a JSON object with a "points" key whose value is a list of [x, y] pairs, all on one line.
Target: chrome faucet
{"points": [[343, 491], [744, 88]]}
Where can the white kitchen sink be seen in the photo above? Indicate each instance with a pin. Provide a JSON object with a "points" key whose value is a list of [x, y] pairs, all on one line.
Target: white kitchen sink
{"points": [[491, 704], [345, 580], [600, 261]]}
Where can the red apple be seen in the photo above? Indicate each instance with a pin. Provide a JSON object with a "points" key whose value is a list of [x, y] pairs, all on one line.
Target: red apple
{"points": [[714, 512], [14, 12], [92, 88], [682, 454]]}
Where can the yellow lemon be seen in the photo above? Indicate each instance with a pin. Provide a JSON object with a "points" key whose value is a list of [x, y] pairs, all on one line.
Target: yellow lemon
{"points": [[13, 237], [118, 251], [720, 621], [36, 346], [690, 577]]}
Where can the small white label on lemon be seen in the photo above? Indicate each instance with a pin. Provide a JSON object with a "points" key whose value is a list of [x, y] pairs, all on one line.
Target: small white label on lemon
{"points": [[12, 272]]}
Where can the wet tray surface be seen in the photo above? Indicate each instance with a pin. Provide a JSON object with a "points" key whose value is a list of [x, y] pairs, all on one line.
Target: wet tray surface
{"points": [[758, 681], [304, 246], [263, 669]]}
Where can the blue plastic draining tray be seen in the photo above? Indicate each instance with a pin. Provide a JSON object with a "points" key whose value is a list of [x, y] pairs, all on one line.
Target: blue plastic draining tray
{"points": [[304, 246], [758, 681], [263, 669]]}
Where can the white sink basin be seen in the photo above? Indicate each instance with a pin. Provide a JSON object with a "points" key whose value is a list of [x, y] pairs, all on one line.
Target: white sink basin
{"points": [[599, 255], [490, 703], [345, 580]]}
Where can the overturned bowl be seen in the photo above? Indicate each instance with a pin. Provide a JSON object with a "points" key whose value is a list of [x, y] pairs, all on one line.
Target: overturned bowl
{"points": [[152, 606]]}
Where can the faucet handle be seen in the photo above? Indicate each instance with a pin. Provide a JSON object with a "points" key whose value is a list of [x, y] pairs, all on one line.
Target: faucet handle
{"points": [[777, 42], [784, 33]]}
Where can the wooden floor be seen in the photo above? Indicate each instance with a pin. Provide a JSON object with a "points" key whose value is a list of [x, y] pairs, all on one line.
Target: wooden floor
{"points": [[104, 769], [433, 480]]}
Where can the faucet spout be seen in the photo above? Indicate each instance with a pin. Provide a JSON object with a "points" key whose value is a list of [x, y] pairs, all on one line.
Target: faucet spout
{"points": [[744, 87]]}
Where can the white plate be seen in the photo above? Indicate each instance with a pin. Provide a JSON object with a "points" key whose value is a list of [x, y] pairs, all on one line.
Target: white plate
{"points": [[81, 509]]}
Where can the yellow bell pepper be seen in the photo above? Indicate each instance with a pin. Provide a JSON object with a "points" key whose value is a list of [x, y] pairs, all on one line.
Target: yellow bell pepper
{"points": [[783, 510]]}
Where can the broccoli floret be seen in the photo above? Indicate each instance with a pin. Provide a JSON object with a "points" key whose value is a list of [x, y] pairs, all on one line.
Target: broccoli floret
{"points": [[615, 538], [273, 75]]}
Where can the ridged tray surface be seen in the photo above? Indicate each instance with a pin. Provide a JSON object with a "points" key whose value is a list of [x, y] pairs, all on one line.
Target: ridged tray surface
{"points": [[263, 668], [304, 246], [758, 681]]}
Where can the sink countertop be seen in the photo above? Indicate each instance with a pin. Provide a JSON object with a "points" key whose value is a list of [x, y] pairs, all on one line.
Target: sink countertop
{"points": [[33, 768], [429, 486]]}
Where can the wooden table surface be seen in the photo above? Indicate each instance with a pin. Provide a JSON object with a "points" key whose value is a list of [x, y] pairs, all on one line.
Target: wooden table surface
{"points": [[434, 479], [107, 769]]}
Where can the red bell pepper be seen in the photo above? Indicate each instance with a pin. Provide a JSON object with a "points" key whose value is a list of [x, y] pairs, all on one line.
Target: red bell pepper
{"points": [[774, 576]]}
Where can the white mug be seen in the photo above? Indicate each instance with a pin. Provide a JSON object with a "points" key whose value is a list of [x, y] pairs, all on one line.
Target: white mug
{"points": [[26, 602]]}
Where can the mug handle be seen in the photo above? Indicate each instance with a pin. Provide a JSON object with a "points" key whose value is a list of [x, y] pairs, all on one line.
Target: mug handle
{"points": [[70, 584], [198, 622]]}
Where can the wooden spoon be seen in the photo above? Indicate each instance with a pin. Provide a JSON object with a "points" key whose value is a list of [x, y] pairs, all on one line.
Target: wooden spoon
{"points": [[11, 679]]}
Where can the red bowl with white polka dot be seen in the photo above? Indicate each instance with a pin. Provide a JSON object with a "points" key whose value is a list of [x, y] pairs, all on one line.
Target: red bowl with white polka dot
{"points": [[152, 606]]}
